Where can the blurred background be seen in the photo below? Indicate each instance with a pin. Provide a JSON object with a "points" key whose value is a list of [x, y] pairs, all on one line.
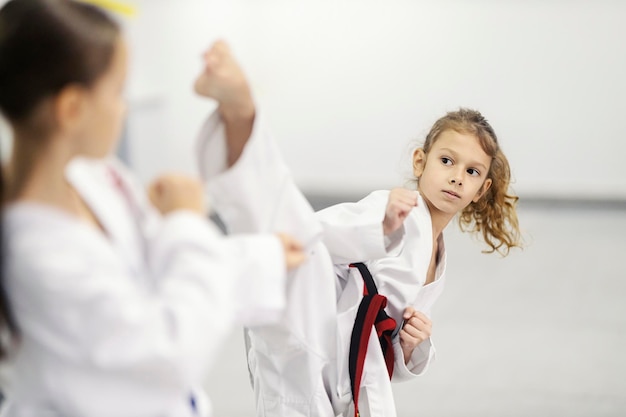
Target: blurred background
{"points": [[351, 87]]}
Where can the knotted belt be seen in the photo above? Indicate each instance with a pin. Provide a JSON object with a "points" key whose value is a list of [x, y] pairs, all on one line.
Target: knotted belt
{"points": [[371, 313]]}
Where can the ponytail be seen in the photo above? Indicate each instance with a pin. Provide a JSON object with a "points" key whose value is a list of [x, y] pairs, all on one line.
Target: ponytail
{"points": [[8, 328]]}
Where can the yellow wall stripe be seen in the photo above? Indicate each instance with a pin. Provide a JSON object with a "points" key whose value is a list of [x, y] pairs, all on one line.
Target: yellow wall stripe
{"points": [[114, 6]]}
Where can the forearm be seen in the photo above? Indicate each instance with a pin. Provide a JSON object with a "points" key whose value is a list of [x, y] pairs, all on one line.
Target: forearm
{"points": [[415, 364], [238, 124], [258, 193], [353, 232]]}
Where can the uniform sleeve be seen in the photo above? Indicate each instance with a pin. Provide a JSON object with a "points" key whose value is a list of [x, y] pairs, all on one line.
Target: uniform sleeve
{"points": [[420, 360], [353, 232], [72, 293], [259, 296], [258, 193], [258, 267]]}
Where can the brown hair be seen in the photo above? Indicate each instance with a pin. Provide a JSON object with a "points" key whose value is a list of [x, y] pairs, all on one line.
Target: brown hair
{"points": [[494, 214], [45, 46]]}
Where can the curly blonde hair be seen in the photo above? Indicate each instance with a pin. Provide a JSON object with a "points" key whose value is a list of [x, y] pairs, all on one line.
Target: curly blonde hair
{"points": [[494, 215]]}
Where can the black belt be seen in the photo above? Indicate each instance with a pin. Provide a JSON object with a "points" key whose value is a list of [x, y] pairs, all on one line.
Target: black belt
{"points": [[371, 313]]}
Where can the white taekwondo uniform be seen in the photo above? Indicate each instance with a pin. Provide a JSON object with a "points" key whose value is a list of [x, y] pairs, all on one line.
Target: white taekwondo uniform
{"points": [[126, 322]]}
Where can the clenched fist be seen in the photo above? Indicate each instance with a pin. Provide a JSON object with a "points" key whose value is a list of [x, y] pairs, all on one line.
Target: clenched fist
{"points": [[294, 256], [222, 79], [401, 202], [417, 328], [171, 192]]}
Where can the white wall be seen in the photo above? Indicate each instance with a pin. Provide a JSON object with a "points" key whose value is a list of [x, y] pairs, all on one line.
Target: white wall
{"points": [[349, 86]]}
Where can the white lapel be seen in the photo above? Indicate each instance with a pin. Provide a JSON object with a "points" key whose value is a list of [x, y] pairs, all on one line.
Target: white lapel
{"points": [[422, 245], [428, 294], [95, 183]]}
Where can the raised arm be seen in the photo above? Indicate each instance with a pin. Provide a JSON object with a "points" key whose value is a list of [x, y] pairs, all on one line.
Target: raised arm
{"points": [[223, 80], [247, 179], [369, 229]]}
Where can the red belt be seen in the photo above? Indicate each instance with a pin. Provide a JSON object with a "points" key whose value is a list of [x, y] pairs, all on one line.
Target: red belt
{"points": [[371, 313]]}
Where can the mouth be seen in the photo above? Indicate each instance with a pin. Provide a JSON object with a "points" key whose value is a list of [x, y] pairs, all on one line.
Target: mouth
{"points": [[451, 194]]}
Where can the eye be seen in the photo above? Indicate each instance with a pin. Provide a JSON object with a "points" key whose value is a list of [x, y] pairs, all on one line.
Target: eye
{"points": [[473, 172], [446, 161]]}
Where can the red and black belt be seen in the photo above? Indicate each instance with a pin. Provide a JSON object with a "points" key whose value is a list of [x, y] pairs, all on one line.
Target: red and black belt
{"points": [[371, 313]]}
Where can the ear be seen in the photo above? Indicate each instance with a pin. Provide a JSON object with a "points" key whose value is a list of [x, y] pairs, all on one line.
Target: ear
{"points": [[486, 186], [419, 162], [69, 107]]}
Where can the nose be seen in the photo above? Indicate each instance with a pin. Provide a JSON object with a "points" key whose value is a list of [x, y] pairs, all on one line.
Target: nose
{"points": [[456, 179]]}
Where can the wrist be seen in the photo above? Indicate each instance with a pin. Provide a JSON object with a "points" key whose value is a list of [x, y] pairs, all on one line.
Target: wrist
{"points": [[238, 111], [407, 353], [386, 230]]}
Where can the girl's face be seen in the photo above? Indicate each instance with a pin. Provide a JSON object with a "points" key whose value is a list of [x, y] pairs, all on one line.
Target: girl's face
{"points": [[104, 108], [454, 173]]}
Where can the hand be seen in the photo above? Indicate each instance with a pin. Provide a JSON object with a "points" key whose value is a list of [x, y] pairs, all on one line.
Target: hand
{"points": [[401, 202], [417, 328], [171, 192], [294, 256], [223, 80]]}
